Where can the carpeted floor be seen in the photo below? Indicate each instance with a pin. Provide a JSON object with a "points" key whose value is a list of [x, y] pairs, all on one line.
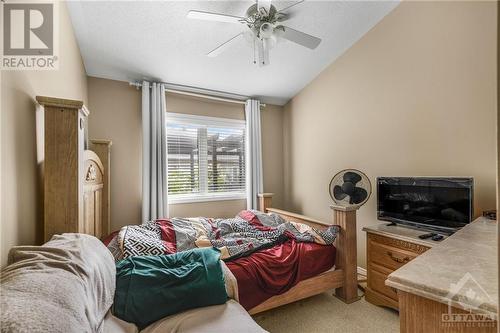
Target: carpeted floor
{"points": [[325, 313]]}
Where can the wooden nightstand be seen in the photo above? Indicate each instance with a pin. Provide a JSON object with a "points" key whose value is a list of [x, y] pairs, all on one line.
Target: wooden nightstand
{"points": [[388, 248]]}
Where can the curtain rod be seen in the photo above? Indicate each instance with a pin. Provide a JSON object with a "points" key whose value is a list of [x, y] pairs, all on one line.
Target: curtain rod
{"points": [[202, 93]]}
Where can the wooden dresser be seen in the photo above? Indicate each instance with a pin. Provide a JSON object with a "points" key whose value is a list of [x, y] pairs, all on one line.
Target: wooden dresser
{"points": [[388, 248]]}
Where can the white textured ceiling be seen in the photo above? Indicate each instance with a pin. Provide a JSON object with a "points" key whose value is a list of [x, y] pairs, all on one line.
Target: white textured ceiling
{"points": [[132, 40]]}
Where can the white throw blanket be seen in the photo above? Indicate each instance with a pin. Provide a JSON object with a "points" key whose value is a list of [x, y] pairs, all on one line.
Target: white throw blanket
{"points": [[65, 285]]}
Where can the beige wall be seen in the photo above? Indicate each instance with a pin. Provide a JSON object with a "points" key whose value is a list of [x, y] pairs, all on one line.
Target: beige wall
{"points": [[272, 153], [415, 96], [115, 115], [21, 205]]}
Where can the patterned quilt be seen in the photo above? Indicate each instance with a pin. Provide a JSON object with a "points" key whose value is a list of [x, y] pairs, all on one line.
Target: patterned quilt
{"points": [[240, 236]]}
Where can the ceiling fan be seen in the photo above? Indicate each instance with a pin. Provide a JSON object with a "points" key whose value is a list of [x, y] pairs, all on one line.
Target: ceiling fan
{"points": [[265, 28]]}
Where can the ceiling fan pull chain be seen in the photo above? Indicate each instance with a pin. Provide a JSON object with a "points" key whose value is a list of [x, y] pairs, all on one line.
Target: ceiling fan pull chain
{"points": [[254, 61]]}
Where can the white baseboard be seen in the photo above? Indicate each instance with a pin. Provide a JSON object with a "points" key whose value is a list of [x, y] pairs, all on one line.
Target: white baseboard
{"points": [[361, 271]]}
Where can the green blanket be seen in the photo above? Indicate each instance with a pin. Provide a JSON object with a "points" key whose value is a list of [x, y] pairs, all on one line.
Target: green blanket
{"points": [[149, 288]]}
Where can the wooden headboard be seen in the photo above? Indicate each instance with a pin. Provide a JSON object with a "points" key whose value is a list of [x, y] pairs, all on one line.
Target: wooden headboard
{"points": [[93, 184], [75, 180]]}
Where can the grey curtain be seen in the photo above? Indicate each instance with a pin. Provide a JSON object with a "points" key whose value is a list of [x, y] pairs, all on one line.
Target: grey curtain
{"points": [[254, 176], [154, 152]]}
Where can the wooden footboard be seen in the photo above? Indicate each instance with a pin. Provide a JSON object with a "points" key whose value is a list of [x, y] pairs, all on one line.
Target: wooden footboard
{"points": [[343, 278]]}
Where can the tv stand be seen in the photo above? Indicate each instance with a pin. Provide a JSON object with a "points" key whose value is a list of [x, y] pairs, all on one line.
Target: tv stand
{"points": [[390, 246]]}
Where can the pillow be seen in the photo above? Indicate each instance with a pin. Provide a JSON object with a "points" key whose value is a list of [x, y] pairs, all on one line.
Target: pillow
{"points": [[258, 218]]}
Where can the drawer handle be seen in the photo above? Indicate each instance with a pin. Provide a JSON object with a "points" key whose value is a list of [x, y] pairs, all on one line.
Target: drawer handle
{"points": [[397, 259]]}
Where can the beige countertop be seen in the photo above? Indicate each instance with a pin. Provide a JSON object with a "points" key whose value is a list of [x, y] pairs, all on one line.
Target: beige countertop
{"points": [[461, 270]]}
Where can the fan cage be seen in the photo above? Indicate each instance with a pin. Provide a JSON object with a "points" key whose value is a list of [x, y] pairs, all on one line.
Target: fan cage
{"points": [[338, 180]]}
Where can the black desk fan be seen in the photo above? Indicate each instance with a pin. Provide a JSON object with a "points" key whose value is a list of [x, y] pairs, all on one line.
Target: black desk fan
{"points": [[350, 188]]}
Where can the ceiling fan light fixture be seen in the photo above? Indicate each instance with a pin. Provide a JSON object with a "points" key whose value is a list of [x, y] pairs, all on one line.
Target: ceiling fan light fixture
{"points": [[266, 30]]}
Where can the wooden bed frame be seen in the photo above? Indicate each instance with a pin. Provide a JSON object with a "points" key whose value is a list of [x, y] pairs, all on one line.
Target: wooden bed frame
{"points": [[343, 278], [77, 196]]}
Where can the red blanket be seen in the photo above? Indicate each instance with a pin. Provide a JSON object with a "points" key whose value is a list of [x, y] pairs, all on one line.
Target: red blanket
{"points": [[274, 271]]}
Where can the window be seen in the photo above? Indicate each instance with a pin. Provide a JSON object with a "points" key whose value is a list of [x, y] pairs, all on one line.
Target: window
{"points": [[206, 158]]}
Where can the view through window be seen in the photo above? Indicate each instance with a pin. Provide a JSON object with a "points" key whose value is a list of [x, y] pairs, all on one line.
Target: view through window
{"points": [[206, 158]]}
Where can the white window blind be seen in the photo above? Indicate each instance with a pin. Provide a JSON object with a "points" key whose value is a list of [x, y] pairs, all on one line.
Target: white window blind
{"points": [[206, 158]]}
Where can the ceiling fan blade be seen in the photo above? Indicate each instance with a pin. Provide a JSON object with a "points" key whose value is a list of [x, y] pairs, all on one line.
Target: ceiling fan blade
{"points": [[200, 15], [221, 48], [288, 7], [300, 38]]}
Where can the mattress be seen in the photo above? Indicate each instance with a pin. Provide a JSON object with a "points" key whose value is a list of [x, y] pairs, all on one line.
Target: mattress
{"points": [[226, 318], [276, 270]]}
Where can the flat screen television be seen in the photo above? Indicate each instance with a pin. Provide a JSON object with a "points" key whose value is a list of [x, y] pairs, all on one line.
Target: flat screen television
{"points": [[440, 204]]}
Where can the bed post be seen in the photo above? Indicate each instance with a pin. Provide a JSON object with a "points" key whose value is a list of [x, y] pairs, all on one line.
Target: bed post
{"points": [[346, 246], [103, 150], [265, 200]]}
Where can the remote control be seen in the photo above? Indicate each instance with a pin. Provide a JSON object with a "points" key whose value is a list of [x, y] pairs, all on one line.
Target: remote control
{"points": [[429, 235], [437, 237]]}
